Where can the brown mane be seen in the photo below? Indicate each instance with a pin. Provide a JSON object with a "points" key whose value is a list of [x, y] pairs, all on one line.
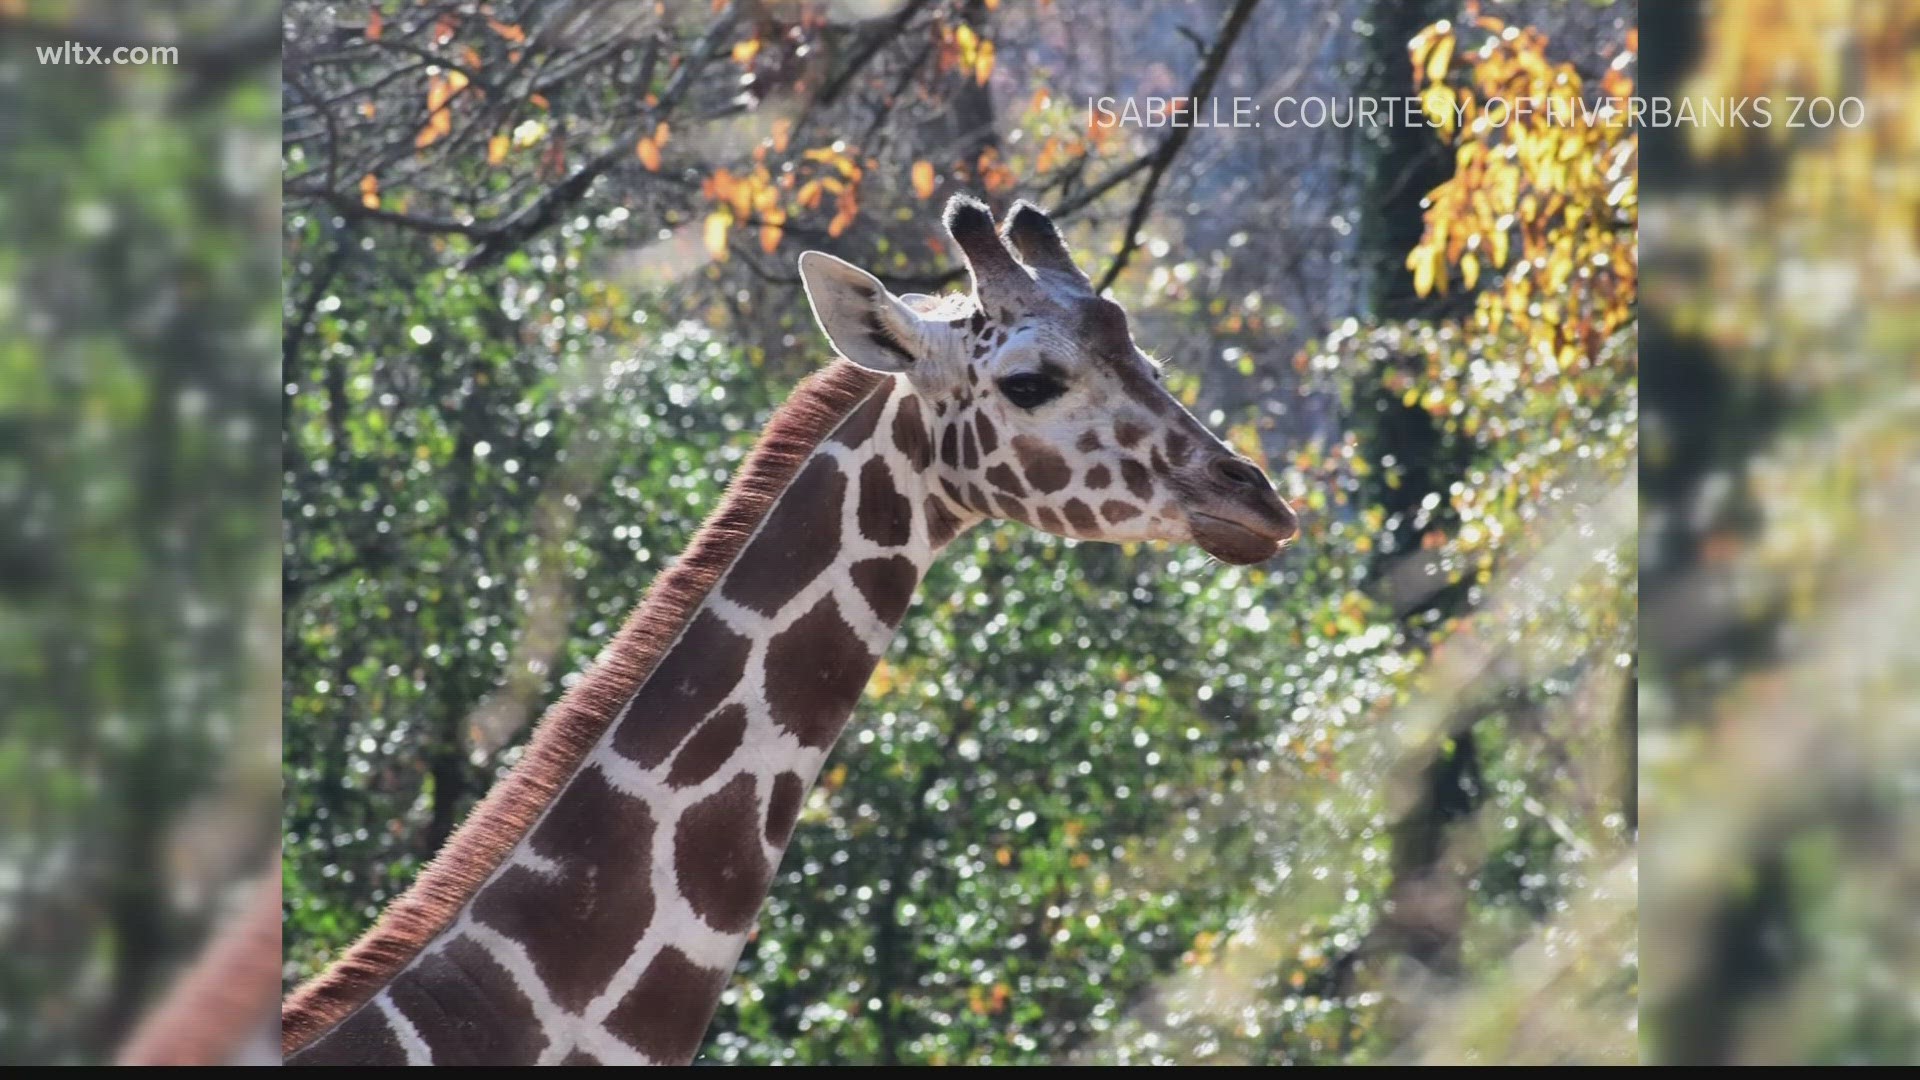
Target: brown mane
{"points": [[225, 999], [574, 724]]}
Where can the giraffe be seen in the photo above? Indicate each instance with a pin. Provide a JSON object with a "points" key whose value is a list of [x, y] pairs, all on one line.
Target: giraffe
{"points": [[592, 908]]}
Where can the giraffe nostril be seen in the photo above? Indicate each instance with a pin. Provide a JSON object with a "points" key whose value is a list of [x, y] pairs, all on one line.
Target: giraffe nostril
{"points": [[1240, 472]]}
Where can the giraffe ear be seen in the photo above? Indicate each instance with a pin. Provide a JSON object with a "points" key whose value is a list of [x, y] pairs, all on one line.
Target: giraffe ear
{"points": [[866, 323]]}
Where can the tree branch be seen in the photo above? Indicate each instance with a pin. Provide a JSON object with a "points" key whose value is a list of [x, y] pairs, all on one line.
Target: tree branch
{"points": [[1170, 148], [538, 215]]}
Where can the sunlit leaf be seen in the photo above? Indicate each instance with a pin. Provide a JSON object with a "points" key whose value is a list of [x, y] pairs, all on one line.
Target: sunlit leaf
{"points": [[715, 234], [923, 179]]}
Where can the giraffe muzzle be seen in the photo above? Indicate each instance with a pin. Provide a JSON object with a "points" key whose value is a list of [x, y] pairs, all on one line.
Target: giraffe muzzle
{"points": [[1240, 519]]}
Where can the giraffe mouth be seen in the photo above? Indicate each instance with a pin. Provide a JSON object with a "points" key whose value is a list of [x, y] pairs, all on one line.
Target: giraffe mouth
{"points": [[1236, 542]]}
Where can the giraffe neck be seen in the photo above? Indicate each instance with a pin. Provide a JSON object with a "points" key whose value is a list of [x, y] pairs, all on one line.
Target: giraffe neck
{"points": [[608, 931]]}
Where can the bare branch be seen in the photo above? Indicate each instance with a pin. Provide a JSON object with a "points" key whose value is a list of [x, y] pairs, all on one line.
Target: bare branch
{"points": [[1170, 148]]}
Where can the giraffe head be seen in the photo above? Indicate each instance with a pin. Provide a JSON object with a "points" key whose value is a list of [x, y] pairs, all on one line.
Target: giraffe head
{"points": [[1041, 407]]}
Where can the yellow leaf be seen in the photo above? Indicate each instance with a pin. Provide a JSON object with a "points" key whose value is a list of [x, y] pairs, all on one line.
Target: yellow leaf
{"points": [[497, 149], [376, 25], [745, 51], [923, 179], [1470, 268], [370, 192], [769, 237], [649, 154], [718, 223], [983, 63], [1004, 857], [1438, 60], [1422, 275]]}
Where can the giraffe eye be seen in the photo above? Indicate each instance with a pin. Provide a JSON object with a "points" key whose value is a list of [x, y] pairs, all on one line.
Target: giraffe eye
{"points": [[1031, 390]]}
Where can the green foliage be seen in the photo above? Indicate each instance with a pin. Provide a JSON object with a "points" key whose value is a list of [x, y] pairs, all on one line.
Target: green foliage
{"points": [[1119, 804]]}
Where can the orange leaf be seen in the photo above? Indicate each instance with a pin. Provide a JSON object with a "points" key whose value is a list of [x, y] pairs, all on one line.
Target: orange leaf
{"points": [[782, 129], [540, 101], [497, 149], [470, 56], [923, 179], [370, 191], [509, 31], [662, 133], [439, 125], [376, 25], [769, 238], [367, 109], [649, 153], [443, 30]]}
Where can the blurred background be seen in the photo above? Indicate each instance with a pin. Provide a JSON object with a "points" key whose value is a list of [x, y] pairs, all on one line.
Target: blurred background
{"points": [[1374, 800], [1780, 694], [1377, 801], [139, 408]]}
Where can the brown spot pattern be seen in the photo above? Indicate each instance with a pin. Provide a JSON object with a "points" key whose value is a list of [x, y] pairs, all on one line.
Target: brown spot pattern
{"points": [[1116, 512], [783, 808], [1159, 463], [969, 448], [1178, 448], [1128, 433], [579, 926], [989, 438], [710, 747], [799, 540], [467, 1009], [365, 1038], [696, 674], [1080, 516], [1046, 470], [718, 861], [1002, 477], [942, 524], [950, 445], [1011, 508], [1089, 441], [1098, 477], [887, 585], [1135, 475], [886, 517], [666, 1013], [1047, 519], [816, 669], [977, 499], [855, 430], [910, 433], [577, 1058]]}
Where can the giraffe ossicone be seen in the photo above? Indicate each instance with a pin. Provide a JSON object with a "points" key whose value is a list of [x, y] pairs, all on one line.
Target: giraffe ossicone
{"points": [[592, 908]]}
